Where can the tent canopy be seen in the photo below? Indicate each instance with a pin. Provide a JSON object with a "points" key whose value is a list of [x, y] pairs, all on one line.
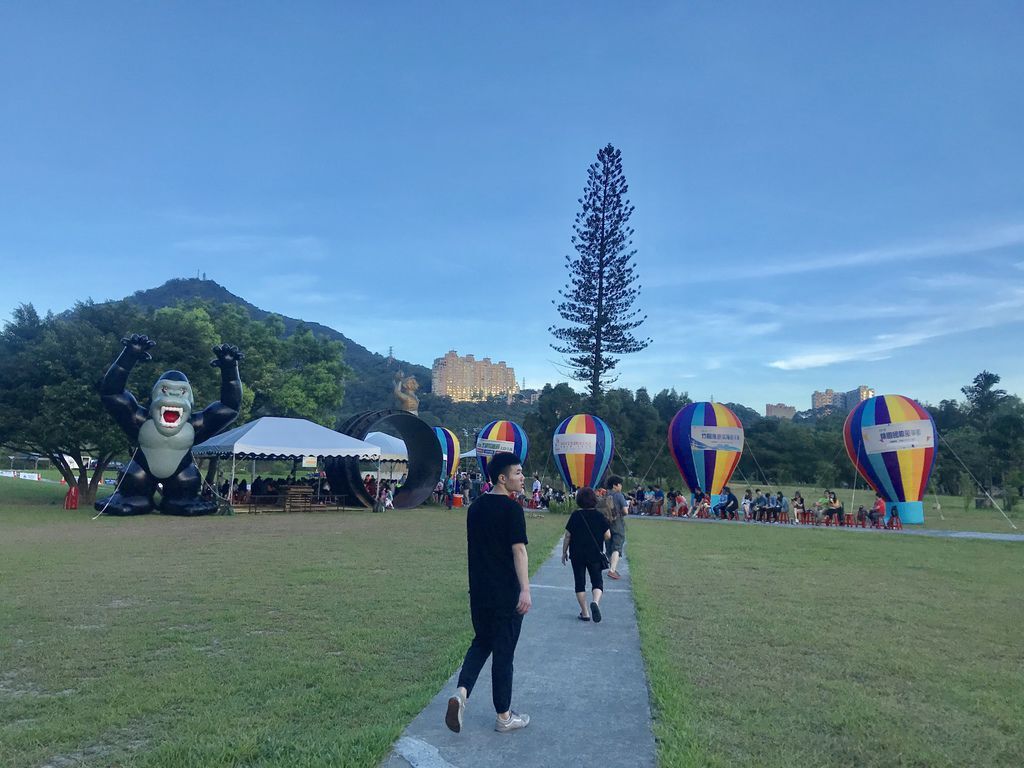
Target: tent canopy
{"points": [[273, 437], [391, 448], [468, 454]]}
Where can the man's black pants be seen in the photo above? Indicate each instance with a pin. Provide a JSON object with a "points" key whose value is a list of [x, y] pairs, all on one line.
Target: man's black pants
{"points": [[497, 633]]}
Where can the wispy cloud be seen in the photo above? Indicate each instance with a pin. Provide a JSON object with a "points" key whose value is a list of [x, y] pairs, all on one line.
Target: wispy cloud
{"points": [[935, 248], [738, 324], [212, 220], [287, 292], [313, 298], [956, 281], [302, 247], [1008, 309]]}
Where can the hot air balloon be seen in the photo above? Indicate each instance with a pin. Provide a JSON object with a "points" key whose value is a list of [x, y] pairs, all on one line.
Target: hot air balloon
{"points": [[500, 437], [891, 441], [706, 440], [449, 451], [582, 447]]}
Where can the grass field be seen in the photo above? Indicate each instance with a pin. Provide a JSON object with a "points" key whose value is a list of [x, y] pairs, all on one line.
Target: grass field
{"points": [[299, 640], [307, 640], [771, 647], [943, 513]]}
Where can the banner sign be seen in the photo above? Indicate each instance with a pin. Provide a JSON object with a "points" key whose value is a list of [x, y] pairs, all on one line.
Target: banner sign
{"points": [[883, 438], [578, 442], [491, 447], [309, 462], [20, 475], [716, 438]]}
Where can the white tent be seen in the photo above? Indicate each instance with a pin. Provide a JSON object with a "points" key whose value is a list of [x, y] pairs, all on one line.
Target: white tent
{"points": [[272, 437], [391, 448], [468, 454]]}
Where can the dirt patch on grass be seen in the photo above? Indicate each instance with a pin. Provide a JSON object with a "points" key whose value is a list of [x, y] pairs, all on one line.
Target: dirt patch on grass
{"points": [[18, 684], [111, 746]]}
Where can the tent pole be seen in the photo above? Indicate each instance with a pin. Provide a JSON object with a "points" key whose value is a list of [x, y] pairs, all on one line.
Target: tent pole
{"points": [[231, 488]]}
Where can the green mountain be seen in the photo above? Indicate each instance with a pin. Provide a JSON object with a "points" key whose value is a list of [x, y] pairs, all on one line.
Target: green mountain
{"points": [[373, 374]]}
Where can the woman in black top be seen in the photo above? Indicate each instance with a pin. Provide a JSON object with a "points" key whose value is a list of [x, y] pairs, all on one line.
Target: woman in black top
{"points": [[583, 533]]}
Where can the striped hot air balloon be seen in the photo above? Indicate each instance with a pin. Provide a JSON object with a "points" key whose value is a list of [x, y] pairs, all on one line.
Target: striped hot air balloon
{"points": [[891, 441], [500, 437], [706, 440], [449, 451], [582, 447]]}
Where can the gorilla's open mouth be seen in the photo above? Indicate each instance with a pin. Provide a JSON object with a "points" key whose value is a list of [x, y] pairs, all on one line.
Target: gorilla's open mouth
{"points": [[169, 414]]}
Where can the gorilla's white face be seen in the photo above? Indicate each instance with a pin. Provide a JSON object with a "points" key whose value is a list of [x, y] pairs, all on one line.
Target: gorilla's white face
{"points": [[172, 406]]}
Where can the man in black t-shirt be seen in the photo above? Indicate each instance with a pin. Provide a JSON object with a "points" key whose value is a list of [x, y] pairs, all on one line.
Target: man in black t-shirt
{"points": [[499, 592]]}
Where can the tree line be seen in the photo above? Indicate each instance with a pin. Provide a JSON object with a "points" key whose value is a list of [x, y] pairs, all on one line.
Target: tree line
{"points": [[980, 450], [51, 367], [981, 443]]}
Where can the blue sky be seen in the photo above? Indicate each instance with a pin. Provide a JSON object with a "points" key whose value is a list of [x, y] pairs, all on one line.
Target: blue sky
{"points": [[826, 195]]}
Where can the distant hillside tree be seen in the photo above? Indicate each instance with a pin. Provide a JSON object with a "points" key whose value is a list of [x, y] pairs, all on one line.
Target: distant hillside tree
{"points": [[597, 302], [49, 402], [368, 383], [51, 367], [555, 404], [982, 396]]}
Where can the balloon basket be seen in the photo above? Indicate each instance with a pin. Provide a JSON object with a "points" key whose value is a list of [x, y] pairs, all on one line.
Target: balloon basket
{"points": [[911, 512]]}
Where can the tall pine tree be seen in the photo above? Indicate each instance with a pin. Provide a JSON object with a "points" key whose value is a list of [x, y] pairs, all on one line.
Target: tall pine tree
{"points": [[597, 302]]}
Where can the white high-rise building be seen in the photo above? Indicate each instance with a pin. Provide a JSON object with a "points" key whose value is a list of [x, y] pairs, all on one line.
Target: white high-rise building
{"points": [[468, 379]]}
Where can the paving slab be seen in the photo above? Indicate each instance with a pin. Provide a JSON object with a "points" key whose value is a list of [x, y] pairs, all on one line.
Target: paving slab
{"points": [[583, 685]]}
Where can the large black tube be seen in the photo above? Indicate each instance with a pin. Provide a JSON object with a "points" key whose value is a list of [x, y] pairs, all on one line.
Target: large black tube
{"points": [[424, 458]]}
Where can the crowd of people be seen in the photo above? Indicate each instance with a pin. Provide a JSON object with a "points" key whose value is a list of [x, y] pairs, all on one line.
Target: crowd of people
{"points": [[757, 506], [268, 491], [382, 492], [470, 485]]}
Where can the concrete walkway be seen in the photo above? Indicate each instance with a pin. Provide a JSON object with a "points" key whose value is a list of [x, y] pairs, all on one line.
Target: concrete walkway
{"points": [[850, 529], [583, 685]]}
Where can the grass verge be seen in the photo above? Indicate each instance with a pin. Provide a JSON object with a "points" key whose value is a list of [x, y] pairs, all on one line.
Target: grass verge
{"points": [[769, 647], [270, 640]]}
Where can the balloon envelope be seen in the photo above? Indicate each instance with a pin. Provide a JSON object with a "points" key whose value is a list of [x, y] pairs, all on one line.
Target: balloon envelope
{"points": [[500, 437], [449, 451], [582, 447], [706, 440], [891, 441]]}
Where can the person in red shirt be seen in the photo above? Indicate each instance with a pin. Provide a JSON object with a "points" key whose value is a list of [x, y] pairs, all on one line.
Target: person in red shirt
{"points": [[877, 512]]}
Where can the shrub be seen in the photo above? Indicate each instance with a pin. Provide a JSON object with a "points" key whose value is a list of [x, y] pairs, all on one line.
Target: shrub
{"points": [[561, 508]]}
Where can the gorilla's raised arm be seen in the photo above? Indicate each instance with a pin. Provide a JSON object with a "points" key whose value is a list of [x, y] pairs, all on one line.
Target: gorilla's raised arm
{"points": [[218, 415], [119, 402]]}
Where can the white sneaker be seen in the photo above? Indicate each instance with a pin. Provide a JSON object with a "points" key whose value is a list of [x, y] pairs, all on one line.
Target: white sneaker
{"points": [[514, 723], [453, 715]]}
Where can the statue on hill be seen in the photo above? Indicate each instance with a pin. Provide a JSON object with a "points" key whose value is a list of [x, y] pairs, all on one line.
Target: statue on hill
{"points": [[405, 393]]}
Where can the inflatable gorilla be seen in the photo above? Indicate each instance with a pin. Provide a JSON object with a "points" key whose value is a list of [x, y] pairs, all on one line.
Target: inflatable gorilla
{"points": [[166, 433]]}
